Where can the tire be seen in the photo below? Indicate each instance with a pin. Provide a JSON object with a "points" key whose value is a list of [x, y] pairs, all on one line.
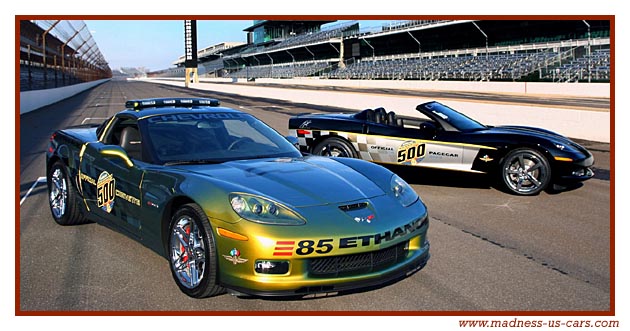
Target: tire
{"points": [[335, 147], [62, 197], [525, 171], [191, 227]]}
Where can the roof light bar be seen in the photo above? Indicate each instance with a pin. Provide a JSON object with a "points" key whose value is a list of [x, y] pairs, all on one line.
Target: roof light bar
{"points": [[170, 102]]}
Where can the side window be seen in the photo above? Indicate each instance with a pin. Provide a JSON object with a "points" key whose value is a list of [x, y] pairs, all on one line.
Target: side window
{"points": [[124, 132]]}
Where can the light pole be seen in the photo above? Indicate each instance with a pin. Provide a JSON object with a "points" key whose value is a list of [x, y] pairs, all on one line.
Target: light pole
{"points": [[588, 52], [486, 36], [419, 50], [373, 51], [44, 50], [271, 68]]}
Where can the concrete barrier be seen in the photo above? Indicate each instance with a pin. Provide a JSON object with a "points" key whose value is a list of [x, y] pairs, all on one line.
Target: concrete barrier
{"points": [[31, 100], [587, 90], [574, 123]]}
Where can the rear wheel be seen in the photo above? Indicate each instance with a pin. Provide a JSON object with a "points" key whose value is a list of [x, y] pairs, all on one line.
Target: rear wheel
{"points": [[525, 171], [62, 197], [335, 147], [192, 253]]}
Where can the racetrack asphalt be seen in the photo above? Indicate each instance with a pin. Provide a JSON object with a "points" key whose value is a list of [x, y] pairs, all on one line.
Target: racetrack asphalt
{"points": [[491, 251]]}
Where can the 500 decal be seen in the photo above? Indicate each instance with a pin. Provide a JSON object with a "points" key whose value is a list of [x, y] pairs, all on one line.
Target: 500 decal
{"points": [[106, 191], [324, 246], [411, 152]]}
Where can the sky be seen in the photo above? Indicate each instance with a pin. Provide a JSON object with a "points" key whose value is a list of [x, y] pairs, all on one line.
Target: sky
{"points": [[156, 44]]}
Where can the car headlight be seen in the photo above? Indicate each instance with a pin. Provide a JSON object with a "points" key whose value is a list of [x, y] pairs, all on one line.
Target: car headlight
{"points": [[402, 191], [261, 210]]}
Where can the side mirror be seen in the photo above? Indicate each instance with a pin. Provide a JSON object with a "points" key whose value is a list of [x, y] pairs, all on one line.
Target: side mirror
{"points": [[116, 151], [294, 141]]}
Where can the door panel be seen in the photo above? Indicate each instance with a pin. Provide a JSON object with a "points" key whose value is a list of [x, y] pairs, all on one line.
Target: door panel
{"points": [[111, 188]]}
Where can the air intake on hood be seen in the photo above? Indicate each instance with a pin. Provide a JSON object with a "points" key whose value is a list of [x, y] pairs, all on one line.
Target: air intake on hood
{"points": [[353, 206]]}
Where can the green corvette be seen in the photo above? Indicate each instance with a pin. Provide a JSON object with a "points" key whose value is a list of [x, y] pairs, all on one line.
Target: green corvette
{"points": [[235, 206]]}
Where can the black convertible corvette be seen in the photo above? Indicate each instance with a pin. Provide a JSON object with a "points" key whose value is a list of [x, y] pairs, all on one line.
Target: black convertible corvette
{"points": [[526, 159]]}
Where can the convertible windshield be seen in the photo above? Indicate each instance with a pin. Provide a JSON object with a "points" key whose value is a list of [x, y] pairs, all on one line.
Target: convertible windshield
{"points": [[456, 119], [212, 138]]}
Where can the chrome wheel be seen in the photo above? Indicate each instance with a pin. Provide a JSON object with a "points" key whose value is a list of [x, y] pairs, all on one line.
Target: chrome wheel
{"points": [[58, 197], [192, 253], [526, 172], [188, 252], [63, 200]]}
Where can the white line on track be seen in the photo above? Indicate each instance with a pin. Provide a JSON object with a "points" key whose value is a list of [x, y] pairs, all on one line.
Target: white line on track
{"points": [[93, 118], [39, 180], [272, 106]]}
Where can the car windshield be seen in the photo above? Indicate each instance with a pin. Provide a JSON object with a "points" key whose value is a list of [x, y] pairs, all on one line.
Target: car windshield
{"points": [[212, 138], [456, 119]]}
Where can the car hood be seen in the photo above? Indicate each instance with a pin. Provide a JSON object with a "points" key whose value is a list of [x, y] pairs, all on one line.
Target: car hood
{"points": [[299, 182], [537, 132], [556, 139], [527, 130]]}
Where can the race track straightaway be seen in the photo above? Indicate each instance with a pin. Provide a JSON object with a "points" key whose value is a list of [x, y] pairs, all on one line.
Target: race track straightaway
{"points": [[490, 251]]}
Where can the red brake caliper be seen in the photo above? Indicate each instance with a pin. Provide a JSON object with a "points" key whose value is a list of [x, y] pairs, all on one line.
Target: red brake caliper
{"points": [[181, 247]]}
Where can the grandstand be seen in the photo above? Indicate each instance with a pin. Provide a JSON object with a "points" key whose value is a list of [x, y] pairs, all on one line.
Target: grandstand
{"points": [[55, 53], [471, 50]]}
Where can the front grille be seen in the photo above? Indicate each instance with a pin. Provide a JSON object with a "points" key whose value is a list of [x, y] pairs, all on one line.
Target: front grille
{"points": [[336, 266]]}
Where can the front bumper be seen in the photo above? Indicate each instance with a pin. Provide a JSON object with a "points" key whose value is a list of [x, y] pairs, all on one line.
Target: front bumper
{"points": [[334, 255], [305, 284], [573, 172], [576, 175]]}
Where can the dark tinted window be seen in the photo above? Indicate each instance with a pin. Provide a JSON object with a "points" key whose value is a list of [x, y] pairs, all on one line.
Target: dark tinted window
{"points": [[212, 137]]}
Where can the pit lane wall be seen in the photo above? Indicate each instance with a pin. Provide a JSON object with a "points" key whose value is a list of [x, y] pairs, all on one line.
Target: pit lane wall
{"points": [[593, 90], [31, 100], [575, 123], [597, 90]]}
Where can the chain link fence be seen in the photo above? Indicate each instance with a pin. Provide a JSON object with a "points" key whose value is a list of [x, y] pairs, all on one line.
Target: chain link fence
{"points": [[56, 53]]}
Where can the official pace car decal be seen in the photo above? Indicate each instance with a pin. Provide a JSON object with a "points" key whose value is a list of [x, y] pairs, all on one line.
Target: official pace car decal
{"points": [[324, 246], [235, 257], [106, 191], [404, 151]]}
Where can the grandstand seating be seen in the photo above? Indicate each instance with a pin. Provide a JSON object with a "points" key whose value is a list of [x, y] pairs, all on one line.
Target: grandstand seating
{"points": [[575, 70], [393, 52], [314, 37], [33, 78], [289, 70], [467, 67]]}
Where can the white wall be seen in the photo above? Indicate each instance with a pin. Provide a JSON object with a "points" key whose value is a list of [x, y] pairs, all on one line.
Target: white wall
{"points": [[596, 90], [31, 100], [574, 123]]}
